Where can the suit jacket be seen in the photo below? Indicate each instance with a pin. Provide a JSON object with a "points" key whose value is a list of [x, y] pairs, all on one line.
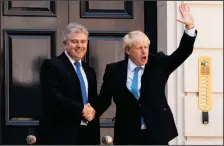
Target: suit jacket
{"points": [[63, 103], [152, 104]]}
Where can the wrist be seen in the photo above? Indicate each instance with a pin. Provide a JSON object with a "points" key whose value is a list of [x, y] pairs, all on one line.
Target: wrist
{"points": [[188, 27]]}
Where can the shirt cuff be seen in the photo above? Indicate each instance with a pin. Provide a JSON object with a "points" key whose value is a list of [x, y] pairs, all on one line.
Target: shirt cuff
{"points": [[190, 32]]}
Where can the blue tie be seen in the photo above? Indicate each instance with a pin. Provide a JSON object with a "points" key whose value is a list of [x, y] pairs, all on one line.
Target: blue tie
{"points": [[83, 88], [134, 86]]}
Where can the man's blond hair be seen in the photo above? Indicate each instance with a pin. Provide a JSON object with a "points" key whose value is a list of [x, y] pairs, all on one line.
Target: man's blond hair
{"points": [[134, 37]]}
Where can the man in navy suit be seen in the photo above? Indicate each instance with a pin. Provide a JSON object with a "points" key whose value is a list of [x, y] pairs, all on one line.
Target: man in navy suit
{"points": [[69, 87], [137, 85]]}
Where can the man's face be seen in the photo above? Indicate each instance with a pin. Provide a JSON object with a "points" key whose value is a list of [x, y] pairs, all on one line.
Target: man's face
{"points": [[138, 53], [76, 45]]}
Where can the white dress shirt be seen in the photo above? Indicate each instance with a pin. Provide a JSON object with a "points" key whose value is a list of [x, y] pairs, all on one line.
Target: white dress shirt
{"points": [[190, 32], [130, 75], [132, 66], [84, 78], [82, 71]]}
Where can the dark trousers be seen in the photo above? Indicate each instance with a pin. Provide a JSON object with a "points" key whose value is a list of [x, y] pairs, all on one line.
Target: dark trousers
{"points": [[145, 139], [85, 137]]}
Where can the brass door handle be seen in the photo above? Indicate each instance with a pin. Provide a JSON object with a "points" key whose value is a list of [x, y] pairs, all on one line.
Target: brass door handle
{"points": [[31, 139], [205, 86]]}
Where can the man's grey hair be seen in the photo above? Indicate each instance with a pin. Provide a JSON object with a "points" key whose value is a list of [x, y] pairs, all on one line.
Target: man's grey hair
{"points": [[74, 27]]}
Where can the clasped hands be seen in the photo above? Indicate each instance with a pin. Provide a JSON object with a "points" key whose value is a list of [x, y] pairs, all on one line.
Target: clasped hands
{"points": [[88, 112]]}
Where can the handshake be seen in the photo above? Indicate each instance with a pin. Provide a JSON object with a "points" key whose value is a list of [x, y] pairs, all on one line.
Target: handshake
{"points": [[88, 112]]}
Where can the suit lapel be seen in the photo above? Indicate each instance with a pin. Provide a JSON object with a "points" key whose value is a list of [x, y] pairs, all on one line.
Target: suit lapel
{"points": [[144, 80], [122, 73], [85, 68], [69, 66], [122, 77], [148, 70], [72, 73]]}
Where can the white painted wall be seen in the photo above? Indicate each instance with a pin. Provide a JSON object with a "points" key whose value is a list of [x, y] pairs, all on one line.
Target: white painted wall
{"points": [[182, 87]]}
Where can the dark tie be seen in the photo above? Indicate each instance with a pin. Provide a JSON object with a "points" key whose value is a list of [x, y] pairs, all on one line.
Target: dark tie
{"points": [[134, 86], [83, 87]]}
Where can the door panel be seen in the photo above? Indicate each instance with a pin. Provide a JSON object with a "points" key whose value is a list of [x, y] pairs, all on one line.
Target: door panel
{"points": [[23, 73], [107, 23], [31, 32], [106, 5]]}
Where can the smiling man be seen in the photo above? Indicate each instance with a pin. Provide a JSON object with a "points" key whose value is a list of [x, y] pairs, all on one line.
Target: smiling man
{"points": [[69, 86], [137, 85]]}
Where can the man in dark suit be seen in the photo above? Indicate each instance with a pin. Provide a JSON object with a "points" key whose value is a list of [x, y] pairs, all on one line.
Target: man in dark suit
{"points": [[69, 87], [137, 86]]}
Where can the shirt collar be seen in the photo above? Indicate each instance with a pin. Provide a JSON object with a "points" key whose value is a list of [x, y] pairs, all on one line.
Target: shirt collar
{"points": [[132, 66], [71, 60]]}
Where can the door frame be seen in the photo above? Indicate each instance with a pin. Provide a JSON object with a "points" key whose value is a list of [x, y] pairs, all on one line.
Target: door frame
{"points": [[150, 29], [150, 25], [1, 73]]}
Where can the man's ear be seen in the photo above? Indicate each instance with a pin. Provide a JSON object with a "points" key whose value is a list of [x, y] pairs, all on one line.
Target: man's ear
{"points": [[64, 42], [127, 51]]}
